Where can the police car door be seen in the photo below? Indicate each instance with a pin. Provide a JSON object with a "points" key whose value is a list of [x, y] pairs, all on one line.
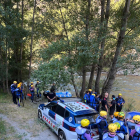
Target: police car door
{"points": [[49, 113], [60, 116]]}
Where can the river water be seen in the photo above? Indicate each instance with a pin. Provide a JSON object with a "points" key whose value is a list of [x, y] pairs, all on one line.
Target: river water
{"points": [[128, 85]]}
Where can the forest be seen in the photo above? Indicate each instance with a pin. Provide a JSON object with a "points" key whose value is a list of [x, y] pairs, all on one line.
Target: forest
{"points": [[59, 40]]}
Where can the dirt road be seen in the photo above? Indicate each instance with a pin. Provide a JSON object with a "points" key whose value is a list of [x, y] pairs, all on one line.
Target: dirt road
{"points": [[22, 123]]}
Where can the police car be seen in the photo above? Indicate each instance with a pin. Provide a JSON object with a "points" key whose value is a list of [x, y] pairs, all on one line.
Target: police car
{"points": [[64, 117]]}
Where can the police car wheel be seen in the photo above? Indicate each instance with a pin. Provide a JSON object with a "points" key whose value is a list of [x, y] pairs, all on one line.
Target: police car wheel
{"points": [[61, 136], [39, 115]]}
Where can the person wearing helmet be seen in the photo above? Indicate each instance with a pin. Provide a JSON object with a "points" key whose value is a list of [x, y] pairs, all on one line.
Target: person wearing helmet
{"points": [[102, 123], [82, 131], [104, 102], [86, 97], [115, 119], [18, 92], [97, 101], [32, 83], [13, 88], [119, 102], [111, 135], [90, 91], [135, 133], [32, 92], [120, 135], [37, 89], [92, 101], [121, 121], [112, 106]]}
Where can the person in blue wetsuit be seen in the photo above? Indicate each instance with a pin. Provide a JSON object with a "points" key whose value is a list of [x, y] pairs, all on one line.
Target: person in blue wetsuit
{"points": [[111, 135], [119, 102], [86, 97], [115, 119], [102, 123], [120, 135], [92, 101], [121, 121], [13, 87], [18, 93], [97, 101], [32, 92], [135, 133], [82, 132], [90, 91]]}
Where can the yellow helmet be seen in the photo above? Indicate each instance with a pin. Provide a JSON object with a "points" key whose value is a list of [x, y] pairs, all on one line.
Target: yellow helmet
{"points": [[119, 94], [118, 125], [121, 115], [18, 85], [103, 113], [85, 122], [37, 81], [93, 94], [112, 127], [90, 90], [116, 114], [136, 118], [15, 82], [32, 85]]}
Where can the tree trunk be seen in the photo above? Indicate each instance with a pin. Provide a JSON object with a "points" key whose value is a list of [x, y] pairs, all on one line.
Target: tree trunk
{"points": [[31, 45], [83, 82], [87, 39], [105, 22], [91, 77], [21, 48], [7, 87], [112, 72]]}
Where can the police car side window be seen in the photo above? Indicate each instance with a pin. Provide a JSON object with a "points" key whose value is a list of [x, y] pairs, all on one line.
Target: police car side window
{"points": [[67, 114], [52, 106], [60, 111]]}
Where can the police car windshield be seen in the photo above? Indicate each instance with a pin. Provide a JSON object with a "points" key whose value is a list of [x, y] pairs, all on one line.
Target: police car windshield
{"points": [[90, 117]]}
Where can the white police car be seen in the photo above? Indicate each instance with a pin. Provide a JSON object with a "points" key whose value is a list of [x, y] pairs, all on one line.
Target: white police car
{"points": [[64, 117]]}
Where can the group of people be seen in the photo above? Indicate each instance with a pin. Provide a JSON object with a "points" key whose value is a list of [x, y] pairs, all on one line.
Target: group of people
{"points": [[16, 91], [18, 88], [32, 90], [94, 100], [117, 130]]}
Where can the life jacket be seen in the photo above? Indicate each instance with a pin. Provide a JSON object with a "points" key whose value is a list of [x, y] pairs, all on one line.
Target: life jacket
{"points": [[92, 101], [18, 92], [123, 128], [107, 136], [86, 98], [13, 87], [114, 120], [136, 136], [99, 121], [120, 100], [120, 136], [80, 133]]}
